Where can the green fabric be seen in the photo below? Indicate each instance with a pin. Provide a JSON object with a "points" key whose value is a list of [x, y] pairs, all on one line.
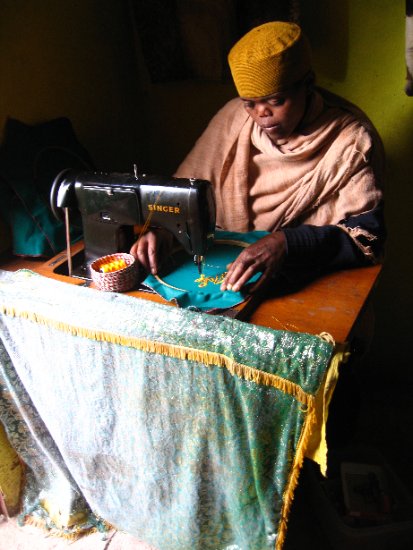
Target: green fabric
{"points": [[179, 280], [102, 400]]}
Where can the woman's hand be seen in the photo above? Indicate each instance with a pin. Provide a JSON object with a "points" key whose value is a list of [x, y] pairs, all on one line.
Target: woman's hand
{"points": [[151, 248], [266, 256]]}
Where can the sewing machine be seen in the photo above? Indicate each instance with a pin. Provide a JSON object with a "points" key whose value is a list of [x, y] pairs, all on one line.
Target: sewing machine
{"points": [[114, 206]]}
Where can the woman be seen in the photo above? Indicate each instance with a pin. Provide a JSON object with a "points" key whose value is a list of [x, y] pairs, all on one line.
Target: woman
{"points": [[291, 159]]}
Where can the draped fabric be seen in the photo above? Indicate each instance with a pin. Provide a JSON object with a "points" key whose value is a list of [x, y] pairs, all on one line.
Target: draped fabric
{"points": [[184, 429], [329, 169]]}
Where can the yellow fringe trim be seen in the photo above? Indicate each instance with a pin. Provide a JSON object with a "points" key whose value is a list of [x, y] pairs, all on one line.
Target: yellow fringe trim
{"points": [[74, 535], [177, 352], [317, 448], [292, 482], [326, 336], [312, 443], [60, 519]]}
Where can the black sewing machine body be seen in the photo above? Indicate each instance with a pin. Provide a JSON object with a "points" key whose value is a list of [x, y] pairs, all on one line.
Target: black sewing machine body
{"points": [[112, 205]]}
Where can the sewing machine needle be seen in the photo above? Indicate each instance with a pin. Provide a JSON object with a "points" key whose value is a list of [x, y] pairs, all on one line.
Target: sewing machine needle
{"points": [[199, 260]]}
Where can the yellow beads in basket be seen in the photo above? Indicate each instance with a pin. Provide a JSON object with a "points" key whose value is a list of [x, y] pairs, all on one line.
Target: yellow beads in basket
{"points": [[112, 266], [115, 272]]}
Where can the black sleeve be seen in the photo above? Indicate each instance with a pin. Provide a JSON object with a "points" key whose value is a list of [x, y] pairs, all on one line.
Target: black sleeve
{"points": [[328, 247]]}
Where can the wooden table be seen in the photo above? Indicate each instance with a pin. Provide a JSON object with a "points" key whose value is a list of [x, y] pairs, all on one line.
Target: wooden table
{"points": [[333, 303]]}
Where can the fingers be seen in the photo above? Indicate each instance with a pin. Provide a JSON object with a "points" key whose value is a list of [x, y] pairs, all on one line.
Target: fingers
{"points": [[237, 276], [241, 270], [265, 256], [152, 257], [145, 251]]}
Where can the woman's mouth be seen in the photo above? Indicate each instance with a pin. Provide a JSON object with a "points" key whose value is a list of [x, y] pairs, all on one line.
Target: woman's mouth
{"points": [[271, 128]]}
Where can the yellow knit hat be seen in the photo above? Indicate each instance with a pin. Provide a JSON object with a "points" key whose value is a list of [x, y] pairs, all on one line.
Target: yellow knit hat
{"points": [[269, 59]]}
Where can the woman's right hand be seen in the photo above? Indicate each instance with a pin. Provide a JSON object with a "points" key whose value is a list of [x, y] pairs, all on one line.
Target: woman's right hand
{"points": [[265, 256], [151, 248]]}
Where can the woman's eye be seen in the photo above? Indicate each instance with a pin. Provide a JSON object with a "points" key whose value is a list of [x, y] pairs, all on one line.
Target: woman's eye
{"points": [[249, 104], [276, 102]]}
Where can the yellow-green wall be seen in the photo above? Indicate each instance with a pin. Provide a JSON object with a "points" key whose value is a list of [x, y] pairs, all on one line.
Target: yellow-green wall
{"points": [[373, 76], [77, 59]]}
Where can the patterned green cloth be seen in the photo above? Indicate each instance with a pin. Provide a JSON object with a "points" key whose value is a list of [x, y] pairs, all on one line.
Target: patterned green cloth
{"points": [[184, 429]]}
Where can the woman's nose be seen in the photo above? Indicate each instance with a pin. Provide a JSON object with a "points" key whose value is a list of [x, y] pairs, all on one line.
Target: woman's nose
{"points": [[262, 109]]}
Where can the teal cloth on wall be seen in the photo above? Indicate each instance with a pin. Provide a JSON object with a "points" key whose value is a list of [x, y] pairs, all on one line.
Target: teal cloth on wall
{"points": [[30, 159]]}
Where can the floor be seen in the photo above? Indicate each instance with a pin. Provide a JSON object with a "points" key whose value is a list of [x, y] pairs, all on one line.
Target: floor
{"points": [[303, 533], [385, 424]]}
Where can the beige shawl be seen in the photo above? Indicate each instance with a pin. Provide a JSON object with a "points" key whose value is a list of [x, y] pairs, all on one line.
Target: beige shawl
{"points": [[331, 169]]}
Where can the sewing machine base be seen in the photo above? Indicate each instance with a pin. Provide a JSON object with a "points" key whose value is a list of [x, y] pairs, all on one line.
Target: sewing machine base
{"points": [[79, 269]]}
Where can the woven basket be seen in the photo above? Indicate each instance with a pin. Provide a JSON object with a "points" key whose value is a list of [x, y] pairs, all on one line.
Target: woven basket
{"points": [[120, 280]]}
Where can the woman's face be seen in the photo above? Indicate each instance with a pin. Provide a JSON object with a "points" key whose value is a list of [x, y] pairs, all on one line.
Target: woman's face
{"points": [[279, 114]]}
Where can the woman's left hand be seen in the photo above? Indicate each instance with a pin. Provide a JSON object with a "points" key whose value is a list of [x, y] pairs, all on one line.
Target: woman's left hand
{"points": [[266, 256]]}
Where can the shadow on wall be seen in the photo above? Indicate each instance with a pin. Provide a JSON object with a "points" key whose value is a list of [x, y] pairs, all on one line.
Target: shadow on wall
{"points": [[190, 39], [390, 356], [328, 32]]}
